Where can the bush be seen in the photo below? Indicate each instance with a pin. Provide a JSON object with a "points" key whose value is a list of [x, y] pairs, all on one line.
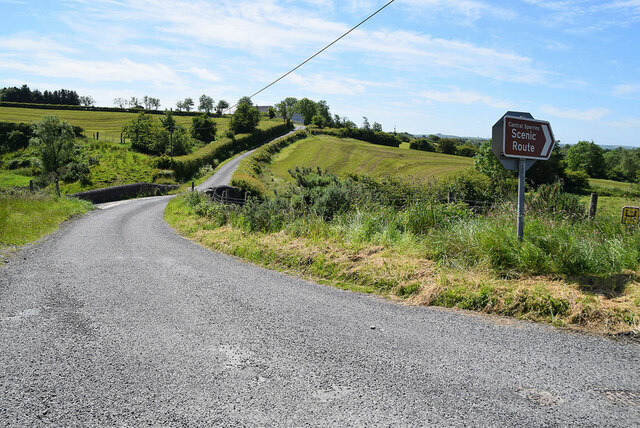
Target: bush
{"points": [[550, 199], [576, 181], [76, 171], [422, 144]]}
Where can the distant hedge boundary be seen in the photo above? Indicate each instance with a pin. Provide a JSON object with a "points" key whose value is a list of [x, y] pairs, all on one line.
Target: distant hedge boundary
{"points": [[126, 191], [247, 175], [186, 166], [82, 108], [379, 138]]}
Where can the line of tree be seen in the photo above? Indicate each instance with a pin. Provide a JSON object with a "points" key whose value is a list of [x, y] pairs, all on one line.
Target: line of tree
{"points": [[24, 94], [146, 102], [447, 145]]}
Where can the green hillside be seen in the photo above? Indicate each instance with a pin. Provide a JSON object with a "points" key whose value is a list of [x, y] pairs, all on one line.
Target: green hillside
{"points": [[108, 124], [114, 163], [344, 156]]}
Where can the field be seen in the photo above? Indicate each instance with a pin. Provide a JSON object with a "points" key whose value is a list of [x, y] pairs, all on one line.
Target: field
{"points": [[118, 164], [344, 156], [611, 187], [108, 124]]}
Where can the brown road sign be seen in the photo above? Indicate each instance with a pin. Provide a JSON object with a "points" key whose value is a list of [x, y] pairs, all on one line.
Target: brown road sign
{"points": [[527, 138]]}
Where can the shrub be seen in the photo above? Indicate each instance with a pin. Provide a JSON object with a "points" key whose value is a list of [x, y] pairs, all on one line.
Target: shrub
{"points": [[576, 181], [550, 199], [422, 144]]}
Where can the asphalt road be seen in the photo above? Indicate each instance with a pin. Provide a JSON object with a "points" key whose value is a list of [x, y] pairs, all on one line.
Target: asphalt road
{"points": [[114, 320]]}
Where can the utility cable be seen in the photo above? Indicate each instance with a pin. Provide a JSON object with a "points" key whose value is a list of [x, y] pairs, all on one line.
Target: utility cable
{"points": [[317, 53]]}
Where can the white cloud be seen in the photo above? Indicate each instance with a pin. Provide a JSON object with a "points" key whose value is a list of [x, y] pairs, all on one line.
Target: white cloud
{"points": [[458, 96], [587, 115], [205, 74], [334, 85], [56, 66], [33, 43], [626, 90]]}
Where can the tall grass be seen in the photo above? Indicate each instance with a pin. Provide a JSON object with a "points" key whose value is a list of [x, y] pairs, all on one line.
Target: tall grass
{"points": [[559, 240]]}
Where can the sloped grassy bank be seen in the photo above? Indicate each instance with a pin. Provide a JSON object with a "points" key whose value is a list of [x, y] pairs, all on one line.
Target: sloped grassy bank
{"points": [[26, 217], [353, 233]]}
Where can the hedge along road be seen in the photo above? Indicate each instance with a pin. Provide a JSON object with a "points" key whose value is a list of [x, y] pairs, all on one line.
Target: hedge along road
{"points": [[223, 176], [116, 320]]}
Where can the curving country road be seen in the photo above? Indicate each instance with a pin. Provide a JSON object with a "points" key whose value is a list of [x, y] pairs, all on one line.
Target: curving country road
{"points": [[114, 320], [223, 175]]}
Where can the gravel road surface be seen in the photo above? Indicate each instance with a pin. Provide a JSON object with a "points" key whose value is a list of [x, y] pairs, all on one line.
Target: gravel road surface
{"points": [[114, 320]]}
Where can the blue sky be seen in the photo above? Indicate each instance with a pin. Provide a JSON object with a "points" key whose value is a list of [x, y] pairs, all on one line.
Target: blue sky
{"points": [[429, 66]]}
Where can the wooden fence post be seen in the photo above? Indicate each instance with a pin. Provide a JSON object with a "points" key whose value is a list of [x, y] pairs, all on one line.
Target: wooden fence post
{"points": [[593, 205], [31, 186], [193, 186]]}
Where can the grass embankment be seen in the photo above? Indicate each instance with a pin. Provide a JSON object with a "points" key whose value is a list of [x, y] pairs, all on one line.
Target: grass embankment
{"points": [[26, 217], [569, 271], [473, 264], [348, 156]]}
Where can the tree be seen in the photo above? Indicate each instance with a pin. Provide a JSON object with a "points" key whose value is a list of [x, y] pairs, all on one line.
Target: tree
{"points": [[155, 103], [139, 131], [168, 122], [221, 106], [447, 146], [120, 102], [365, 124], [203, 128], [53, 138], [206, 103], [271, 113], [87, 101], [245, 100], [306, 108], [549, 171], [179, 105], [322, 109], [134, 102], [376, 127], [588, 157], [319, 121], [286, 108], [488, 164], [245, 119], [187, 104]]}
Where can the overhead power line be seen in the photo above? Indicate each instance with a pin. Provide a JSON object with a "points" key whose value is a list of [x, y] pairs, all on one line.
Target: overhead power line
{"points": [[317, 53]]}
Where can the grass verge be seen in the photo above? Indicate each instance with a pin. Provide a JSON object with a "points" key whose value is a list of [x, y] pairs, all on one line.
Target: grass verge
{"points": [[400, 268], [26, 217]]}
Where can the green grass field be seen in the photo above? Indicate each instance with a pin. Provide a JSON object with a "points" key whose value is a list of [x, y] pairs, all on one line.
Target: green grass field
{"points": [[344, 156], [108, 124], [611, 186], [14, 179]]}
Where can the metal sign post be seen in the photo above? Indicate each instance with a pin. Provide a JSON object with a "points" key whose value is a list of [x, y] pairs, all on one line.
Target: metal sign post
{"points": [[518, 141], [522, 171]]}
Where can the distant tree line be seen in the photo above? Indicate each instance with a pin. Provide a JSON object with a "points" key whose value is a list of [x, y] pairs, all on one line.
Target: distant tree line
{"points": [[24, 94]]}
